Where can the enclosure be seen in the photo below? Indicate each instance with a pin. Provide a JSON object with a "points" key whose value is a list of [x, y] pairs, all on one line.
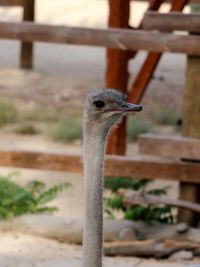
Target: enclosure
{"points": [[52, 53]]}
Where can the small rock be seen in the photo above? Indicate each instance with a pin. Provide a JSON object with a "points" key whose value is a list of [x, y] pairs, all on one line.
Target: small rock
{"points": [[182, 255], [182, 228]]}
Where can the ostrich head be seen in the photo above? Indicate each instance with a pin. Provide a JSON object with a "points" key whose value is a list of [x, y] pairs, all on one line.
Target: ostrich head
{"points": [[105, 107]]}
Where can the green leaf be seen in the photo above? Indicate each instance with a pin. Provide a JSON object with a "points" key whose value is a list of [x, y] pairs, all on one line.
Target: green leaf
{"points": [[46, 210], [124, 182], [115, 203], [158, 191], [16, 199], [146, 213], [52, 193], [109, 213], [35, 186]]}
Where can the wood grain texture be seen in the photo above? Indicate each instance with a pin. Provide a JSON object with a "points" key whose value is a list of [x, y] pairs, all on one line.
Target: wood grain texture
{"points": [[136, 167], [177, 147], [132, 198], [26, 59], [113, 38], [143, 78], [191, 128], [174, 21], [117, 70], [11, 2], [148, 248]]}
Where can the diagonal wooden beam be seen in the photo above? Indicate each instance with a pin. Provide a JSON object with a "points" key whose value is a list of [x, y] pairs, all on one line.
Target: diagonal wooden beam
{"points": [[139, 86], [154, 5]]}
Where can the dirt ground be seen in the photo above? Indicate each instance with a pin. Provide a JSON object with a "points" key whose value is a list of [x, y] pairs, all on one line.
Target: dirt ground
{"points": [[26, 251], [61, 77]]}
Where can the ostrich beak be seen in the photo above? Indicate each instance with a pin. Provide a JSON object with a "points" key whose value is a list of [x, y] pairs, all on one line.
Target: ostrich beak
{"points": [[129, 107]]}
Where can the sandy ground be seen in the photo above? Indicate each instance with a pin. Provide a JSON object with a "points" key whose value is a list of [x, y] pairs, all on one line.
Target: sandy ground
{"points": [[61, 77], [26, 251]]}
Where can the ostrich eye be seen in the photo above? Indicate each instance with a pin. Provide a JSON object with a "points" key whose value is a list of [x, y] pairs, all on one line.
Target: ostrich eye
{"points": [[99, 104]]}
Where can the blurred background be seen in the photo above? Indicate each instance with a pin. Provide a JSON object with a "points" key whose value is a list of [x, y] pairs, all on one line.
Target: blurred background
{"points": [[41, 110]]}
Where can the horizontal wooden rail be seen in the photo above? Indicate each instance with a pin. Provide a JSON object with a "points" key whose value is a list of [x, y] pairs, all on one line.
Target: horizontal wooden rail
{"points": [[11, 2], [173, 21], [152, 168], [170, 146], [111, 38]]}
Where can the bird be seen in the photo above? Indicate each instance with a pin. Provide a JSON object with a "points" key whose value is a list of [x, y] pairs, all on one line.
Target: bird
{"points": [[103, 109]]}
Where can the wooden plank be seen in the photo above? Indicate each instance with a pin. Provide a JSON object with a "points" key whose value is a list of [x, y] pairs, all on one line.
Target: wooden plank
{"points": [[158, 249], [117, 71], [26, 58], [191, 128], [136, 167], [170, 146], [174, 21], [140, 84], [112, 38], [11, 2], [191, 111]]}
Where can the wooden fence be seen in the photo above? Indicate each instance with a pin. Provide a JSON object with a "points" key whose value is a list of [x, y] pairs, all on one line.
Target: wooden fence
{"points": [[122, 39], [135, 167]]}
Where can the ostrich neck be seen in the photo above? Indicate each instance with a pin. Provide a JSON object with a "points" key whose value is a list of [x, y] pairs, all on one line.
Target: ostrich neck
{"points": [[94, 146]]}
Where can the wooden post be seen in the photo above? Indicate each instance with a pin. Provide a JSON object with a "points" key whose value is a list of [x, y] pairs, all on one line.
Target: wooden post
{"points": [[27, 47], [117, 70], [191, 128]]}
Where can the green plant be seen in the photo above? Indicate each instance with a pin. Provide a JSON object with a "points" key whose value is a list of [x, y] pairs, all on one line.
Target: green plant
{"points": [[125, 182], [31, 198], [146, 213], [66, 129], [137, 126], [8, 113]]}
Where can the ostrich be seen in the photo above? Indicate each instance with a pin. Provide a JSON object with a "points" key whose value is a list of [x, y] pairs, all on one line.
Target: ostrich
{"points": [[103, 109]]}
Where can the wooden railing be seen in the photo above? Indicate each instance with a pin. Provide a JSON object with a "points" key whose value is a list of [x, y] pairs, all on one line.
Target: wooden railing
{"points": [[135, 167], [112, 38], [172, 21]]}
